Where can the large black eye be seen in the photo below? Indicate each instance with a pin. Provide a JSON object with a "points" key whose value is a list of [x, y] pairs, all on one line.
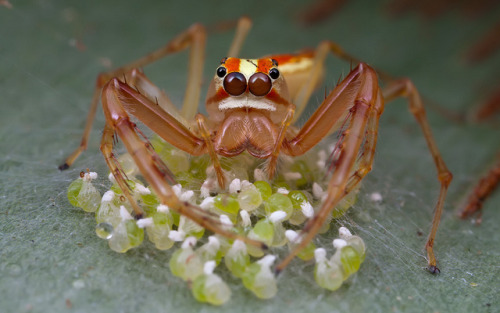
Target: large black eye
{"points": [[259, 84], [235, 84], [221, 71], [274, 73]]}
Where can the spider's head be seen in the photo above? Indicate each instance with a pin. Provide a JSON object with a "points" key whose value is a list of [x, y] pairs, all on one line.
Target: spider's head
{"points": [[247, 83]]}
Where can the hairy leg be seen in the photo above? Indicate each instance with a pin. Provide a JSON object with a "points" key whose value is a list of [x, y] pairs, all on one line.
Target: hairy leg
{"points": [[150, 165], [361, 101], [195, 37]]}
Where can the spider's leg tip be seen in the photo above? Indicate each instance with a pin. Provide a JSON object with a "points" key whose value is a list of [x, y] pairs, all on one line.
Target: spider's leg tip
{"points": [[433, 269], [63, 167], [277, 271], [138, 216], [264, 247]]}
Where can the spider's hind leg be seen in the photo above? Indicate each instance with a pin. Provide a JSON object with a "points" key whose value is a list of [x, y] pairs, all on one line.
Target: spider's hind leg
{"points": [[405, 88], [194, 38]]}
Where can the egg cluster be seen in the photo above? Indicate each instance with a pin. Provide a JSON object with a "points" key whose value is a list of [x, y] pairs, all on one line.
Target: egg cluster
{"points": [[270, 212]]}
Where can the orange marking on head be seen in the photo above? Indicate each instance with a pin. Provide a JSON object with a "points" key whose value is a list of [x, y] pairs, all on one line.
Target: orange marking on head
{"points": [[220, 95], [282, 58], [264, 65], [232, 65]]}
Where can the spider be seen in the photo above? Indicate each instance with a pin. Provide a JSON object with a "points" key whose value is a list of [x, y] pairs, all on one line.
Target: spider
{"points": [[252, 105]]}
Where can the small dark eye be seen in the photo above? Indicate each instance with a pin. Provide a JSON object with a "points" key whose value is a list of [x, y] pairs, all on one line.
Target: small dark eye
{"points": [[274, 73], [221, 71]]}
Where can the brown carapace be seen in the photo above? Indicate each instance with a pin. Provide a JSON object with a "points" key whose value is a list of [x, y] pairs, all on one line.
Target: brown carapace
{"points": [[252, 105]]}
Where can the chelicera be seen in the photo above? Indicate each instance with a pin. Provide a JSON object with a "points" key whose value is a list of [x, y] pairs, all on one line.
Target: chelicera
{"points": [[252, 105]]}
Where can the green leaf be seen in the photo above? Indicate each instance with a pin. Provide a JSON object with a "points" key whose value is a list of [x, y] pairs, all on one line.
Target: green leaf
{"points": [[50, 54]]}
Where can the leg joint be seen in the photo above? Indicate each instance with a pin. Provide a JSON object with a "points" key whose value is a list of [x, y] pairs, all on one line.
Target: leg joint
{"points": [[445, 178], [102, 79]]}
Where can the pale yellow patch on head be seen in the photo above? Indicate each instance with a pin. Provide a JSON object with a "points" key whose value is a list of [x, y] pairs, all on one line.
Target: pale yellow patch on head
{"points": [[248, 67]]}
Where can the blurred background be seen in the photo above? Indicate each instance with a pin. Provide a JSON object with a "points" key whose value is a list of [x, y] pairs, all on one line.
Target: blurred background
{"points": [[51, 52]]}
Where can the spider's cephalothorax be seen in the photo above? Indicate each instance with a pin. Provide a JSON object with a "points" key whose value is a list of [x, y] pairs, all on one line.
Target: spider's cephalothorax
{"points": [[246, 102], [251, 105]]}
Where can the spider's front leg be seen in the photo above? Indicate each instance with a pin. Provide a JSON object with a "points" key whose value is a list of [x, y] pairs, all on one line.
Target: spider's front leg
{"points": [[118, 101], [357, 98]]}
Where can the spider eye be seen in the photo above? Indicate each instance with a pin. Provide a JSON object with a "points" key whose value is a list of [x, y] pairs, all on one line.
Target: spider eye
{"points": [[235, 84], [274, 73], [259, 84], [221, 71]]}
